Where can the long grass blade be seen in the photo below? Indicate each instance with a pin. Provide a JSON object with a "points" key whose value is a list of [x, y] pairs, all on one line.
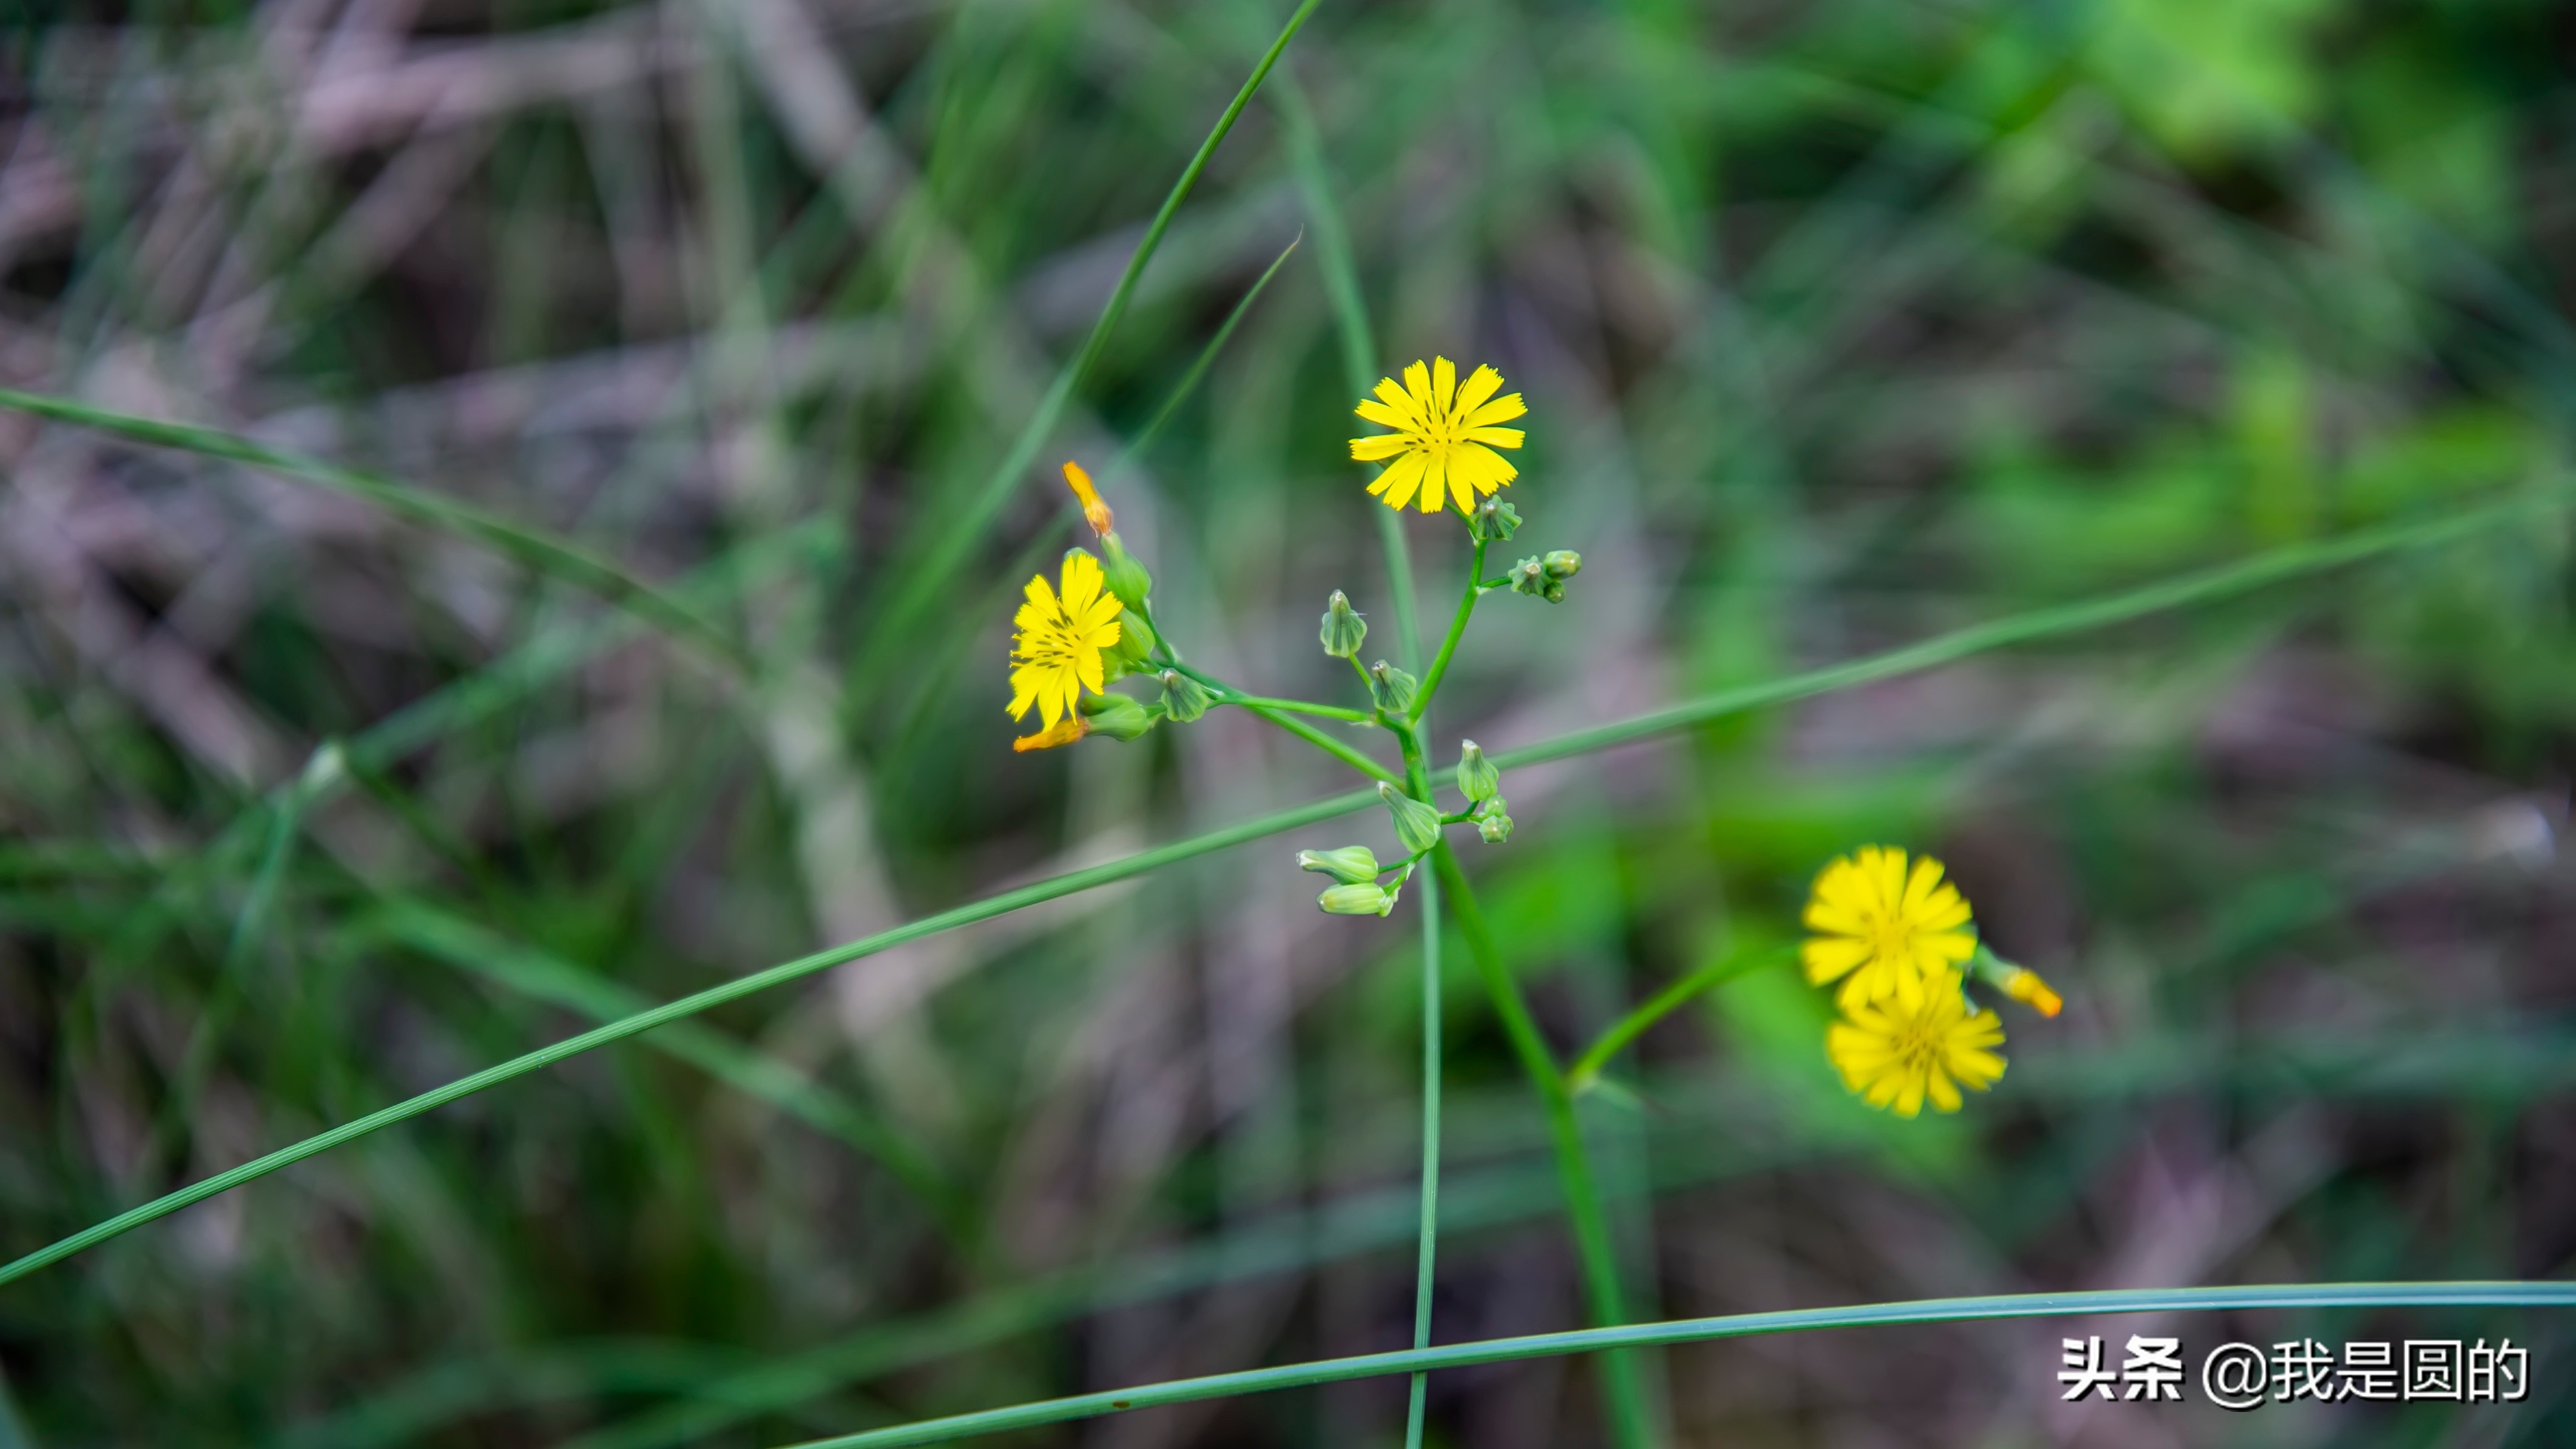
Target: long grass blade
{"points": [[1702, 1330]]}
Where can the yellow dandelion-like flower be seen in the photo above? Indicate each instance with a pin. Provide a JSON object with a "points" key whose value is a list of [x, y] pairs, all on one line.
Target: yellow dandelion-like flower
{"points": [[1883, 929], [1895, 1054], [1056, 653], [1444, 439]]}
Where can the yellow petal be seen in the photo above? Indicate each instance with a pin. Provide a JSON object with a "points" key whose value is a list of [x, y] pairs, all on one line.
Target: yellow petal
{"points": [[1417, 385], [1378, 448], [1086, 667], [1827, 957], [1397, 483], [1480, 385], [1406, 408], [1944, 1095], [1500, 410], [1498, 437], [1435, 481], [1444, 386], [1082, 580], [1919, 885]]}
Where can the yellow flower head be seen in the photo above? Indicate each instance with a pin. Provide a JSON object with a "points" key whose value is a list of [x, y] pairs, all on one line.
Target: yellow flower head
{"points": [[1094, 512], [1883, 929], [1895, 1054], [1444, 439], [1056, 653]]}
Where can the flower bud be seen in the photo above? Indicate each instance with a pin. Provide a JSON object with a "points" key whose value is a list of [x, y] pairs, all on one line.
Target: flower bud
{"points": [[1351, 864], [1117, 716], [1477, 777], [1561, 563], [1184, 698], [1127, 578], [1495, 828], [1094, 512], [1357, 900], [1493, 519], [1417, 825], [1343, 627], [1529, 576], [2023, 984], [2017, 982], [1390, 688]]}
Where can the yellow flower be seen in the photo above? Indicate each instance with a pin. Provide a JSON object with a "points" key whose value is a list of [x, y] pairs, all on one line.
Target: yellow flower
{"points": [[1895, 1054], [1094, 512], [1056, 654], [1441, 437], [1883, 928]]}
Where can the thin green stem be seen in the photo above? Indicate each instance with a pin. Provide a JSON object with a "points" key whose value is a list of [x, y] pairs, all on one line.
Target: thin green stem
{"points": [[2201, 587], [1457, 631], [1587, 1068], [1299, 706], [1427, 1241], [1703, 1330], [1321, 741], [1631, 1425]]}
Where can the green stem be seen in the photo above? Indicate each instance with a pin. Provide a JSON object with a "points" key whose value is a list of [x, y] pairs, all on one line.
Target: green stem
{"points": [[1321, 741], [1429, 1236], [1587, 1069], [1631, 1426], [1704, 1330], [1457, 630], [1299, 706]]}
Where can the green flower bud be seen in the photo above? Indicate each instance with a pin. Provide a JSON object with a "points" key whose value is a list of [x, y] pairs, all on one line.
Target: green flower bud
{"points": [[1477, 777], [1495, 828], [1530, 576], [1416, 825], [1184, 698], [1488, 807], [1127, 578], [1561, 563], [1351, 865], [1493, 519], [1390, 688], [1117, 716], [1357, 900], [1343, 627]]}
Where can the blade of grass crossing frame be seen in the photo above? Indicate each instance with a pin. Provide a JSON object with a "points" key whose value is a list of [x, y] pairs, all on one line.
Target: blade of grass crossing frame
{"points": [[1702, 1330], [2207, 585]]}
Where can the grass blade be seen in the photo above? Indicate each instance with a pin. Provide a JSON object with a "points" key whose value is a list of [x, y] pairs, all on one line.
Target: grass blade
{"points": [[1701, 1330]]}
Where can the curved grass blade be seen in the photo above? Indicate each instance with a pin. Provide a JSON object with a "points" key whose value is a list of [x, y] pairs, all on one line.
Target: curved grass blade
{"points": [[958, 539], [1701, 1330], [547, 555], [2207, 585], [1190, 380]]}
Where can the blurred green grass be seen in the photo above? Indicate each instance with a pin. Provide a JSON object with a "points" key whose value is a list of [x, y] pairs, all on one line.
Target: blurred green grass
{"points": [[1841, 326]]}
